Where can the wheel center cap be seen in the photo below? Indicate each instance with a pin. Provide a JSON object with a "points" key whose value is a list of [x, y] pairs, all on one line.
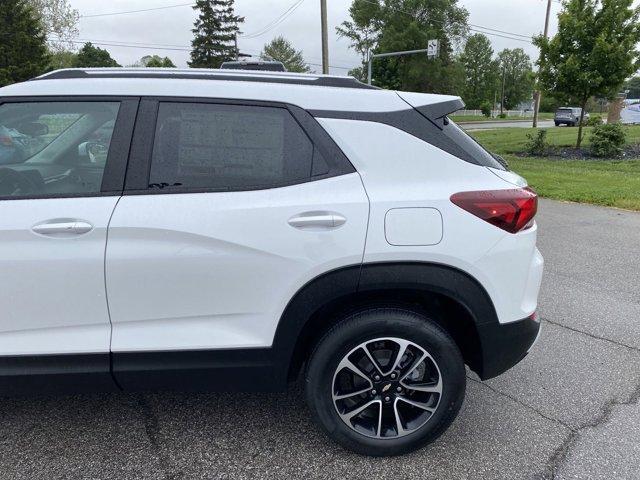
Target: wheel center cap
{"points": [[386, 388]]}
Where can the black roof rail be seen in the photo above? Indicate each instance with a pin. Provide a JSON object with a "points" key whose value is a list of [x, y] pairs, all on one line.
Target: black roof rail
{"points": [[220, 75]]}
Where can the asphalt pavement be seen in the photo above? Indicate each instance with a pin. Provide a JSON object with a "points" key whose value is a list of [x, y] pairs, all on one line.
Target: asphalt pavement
{"points": [[570, 410]]}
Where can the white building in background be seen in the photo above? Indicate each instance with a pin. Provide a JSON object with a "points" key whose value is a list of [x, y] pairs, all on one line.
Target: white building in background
{"points": [[631, 111]]}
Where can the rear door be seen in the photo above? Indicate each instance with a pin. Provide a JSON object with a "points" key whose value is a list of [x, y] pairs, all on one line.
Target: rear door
{"points": [[62, 174], [230, 208]]}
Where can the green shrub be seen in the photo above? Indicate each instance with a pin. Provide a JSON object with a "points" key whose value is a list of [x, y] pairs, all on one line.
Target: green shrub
{"points": [[537, 144], [503, 115], [486, 109], [608, 140], [594, 121]]}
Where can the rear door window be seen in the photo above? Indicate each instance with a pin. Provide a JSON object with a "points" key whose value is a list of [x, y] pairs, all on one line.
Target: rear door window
{"points": [[202, 146]]}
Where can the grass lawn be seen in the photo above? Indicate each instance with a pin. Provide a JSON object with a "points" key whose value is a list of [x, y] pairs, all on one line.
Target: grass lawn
{"points": [[482, 118], [614, 183]]}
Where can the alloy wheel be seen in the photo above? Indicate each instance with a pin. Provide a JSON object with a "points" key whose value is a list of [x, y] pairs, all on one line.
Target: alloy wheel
{"points": [[387, 388]]}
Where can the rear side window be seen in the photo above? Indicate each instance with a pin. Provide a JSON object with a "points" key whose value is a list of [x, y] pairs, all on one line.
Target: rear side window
{"points": [[229, 147], [470, 146]]}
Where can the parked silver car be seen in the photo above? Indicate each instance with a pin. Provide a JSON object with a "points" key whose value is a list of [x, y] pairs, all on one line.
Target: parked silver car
{"points": [[569, 116]]}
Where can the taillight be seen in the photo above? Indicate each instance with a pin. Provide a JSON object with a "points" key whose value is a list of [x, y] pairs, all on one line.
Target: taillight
{"points": [[6, 141], [511, 210]]}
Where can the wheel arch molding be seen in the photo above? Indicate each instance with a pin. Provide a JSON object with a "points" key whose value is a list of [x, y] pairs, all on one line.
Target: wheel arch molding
{"points": [[447, 295]]}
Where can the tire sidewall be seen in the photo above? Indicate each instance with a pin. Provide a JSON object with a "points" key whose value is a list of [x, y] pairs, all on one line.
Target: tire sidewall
{"points": [[367, 326]]}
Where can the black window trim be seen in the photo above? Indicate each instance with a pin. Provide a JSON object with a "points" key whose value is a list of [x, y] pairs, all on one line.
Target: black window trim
{"points": [[115, 169], [416, 123], [139, 169]]}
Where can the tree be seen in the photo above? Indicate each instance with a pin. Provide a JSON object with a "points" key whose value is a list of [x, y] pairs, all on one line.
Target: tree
{"points": [[633, 85], [90, 56], [215, 31], [23, 49], [156, 61], [594, 51], [363, 32], [394, 25], [62, 59], [59, 20], [516, 74], [481, 71], [281, 50]]}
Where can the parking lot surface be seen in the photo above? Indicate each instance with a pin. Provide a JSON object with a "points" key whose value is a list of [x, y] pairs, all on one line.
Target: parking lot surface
{"points": [[570, 410]]}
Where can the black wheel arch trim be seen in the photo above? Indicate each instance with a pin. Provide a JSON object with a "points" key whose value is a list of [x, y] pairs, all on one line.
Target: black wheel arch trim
{"points": [[496, 353], [433, 278]]}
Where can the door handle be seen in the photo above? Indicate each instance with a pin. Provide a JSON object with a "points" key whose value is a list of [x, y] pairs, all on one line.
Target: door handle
{"points": [[63, 228], [317, 221]]}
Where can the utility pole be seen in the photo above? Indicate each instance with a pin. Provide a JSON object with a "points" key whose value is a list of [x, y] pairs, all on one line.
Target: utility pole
{"points": [[504, 75], [325, 37], [538, 93]]}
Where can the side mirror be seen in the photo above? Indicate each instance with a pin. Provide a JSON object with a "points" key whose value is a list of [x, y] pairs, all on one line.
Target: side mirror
{"points": [[93, 151], [83, 149]]}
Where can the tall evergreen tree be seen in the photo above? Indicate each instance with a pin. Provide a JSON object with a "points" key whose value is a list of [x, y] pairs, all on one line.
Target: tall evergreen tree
{"points": [[214, 31], [23, 50]]}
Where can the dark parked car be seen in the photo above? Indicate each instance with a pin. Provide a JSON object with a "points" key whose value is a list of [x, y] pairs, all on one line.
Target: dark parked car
{"points": [[268, 66]]}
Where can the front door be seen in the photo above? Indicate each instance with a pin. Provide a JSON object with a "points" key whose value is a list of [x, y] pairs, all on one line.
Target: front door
{"points": [[61, 174]]}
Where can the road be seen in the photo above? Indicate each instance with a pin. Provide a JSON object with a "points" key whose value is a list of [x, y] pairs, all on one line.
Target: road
{"points": [[569, 411], [504, 124]]}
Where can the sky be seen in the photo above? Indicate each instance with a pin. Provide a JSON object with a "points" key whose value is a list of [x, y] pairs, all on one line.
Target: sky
{"points": [[169, 30]]}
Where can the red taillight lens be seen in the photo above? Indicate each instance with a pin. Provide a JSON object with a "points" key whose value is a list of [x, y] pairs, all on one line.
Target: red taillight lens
{"points": [[511, 210], [6, 141]]}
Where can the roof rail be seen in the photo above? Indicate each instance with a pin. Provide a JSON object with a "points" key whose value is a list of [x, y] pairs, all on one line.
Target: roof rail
{"points": [[209, 74]]}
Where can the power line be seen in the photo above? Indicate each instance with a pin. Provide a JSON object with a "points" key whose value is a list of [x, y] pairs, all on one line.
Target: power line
{"points": [[138, 11], [270, 26], [176, 48], [500, 31], [512, 37], [502, 36], [274, 23]]}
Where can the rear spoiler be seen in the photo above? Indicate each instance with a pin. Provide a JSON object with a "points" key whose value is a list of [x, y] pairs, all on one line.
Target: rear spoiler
{"points": [[433, 107]]}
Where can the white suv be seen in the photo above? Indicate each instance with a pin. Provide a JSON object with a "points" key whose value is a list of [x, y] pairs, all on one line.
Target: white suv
{"points": [[231, 230]]}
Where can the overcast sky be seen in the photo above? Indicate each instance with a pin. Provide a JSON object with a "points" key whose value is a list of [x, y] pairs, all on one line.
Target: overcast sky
{"points": [[170, 29]]}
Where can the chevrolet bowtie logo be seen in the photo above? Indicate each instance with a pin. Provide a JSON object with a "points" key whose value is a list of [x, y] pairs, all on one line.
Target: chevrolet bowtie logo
{"points": [[386, 387]]}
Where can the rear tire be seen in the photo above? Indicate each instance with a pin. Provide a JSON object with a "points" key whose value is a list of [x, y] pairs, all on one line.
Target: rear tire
{"points": [[412, 399]]}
